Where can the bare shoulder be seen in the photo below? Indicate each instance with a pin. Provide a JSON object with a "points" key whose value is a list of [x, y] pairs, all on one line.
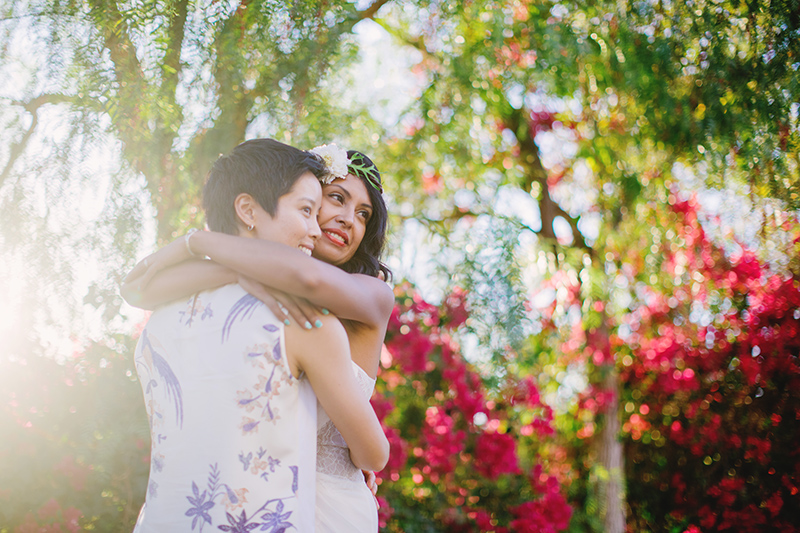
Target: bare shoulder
{"points": [[381, 294], [306, 347]]}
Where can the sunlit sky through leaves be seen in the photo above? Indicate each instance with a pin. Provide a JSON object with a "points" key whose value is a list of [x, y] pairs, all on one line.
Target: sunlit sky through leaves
{"points": [[387, 86]]}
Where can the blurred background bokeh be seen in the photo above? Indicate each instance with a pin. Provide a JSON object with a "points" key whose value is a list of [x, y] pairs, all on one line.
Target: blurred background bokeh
{"points": [[594, 236]]}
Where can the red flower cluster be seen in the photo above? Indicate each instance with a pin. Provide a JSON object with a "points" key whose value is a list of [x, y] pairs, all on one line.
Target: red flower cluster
{"points": [[59, 442], [441, 442], [712, 386], [495, 454], [51, 518], [541, 121], [412, 348], [548, 515], [455, 308], [465, 385], [464, 467]]}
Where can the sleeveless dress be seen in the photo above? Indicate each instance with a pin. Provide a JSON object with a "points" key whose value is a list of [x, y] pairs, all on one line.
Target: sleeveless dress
{"points": [[232, 431], [344, 502]]}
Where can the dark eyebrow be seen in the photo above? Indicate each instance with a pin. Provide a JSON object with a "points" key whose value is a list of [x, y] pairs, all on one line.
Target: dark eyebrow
{"points": [[344, 191], [341, 189]]}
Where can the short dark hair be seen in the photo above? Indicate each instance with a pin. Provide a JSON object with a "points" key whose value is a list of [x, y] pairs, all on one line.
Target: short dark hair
{"points": [[366, 260], [263, 168]]}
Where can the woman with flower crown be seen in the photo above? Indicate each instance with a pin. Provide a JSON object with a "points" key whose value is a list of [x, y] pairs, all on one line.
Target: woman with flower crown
{"points": [[353, 219]]}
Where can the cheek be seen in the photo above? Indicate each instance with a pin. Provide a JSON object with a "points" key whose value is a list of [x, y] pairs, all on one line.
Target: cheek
{"points": [[301, 225], [327, 211], [362, 230]]}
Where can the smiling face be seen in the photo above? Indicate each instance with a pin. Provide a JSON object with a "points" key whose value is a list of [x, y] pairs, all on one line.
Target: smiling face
{"points": [[346, 209], [295, 221]]}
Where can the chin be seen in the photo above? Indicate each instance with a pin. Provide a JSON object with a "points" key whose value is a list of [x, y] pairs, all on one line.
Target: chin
{"points": [[326, 256], [338, 260], [329, 252]]}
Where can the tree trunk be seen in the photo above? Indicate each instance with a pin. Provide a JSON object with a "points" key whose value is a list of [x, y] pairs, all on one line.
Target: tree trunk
{"points": [[611, 493], [611, 489]]}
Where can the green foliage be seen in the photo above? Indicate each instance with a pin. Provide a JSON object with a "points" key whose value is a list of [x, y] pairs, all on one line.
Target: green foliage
{"points": [[136, 101], [482, 262], [179, 83], [588, 111], [75, 440]]}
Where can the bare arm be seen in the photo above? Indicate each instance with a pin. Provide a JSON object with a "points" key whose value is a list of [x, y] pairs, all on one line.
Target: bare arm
{"points": [[354, 297], [167, 275], [324, 355], [350, 296], [175, 282]]}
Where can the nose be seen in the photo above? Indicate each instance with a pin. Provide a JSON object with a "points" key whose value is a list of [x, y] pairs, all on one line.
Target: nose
{"points": [[346, 217], [314, 230]]}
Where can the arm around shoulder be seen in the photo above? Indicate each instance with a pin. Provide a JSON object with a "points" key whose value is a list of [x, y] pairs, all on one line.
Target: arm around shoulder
{"points": [[324, 355], [176, 282], [356, 297]]}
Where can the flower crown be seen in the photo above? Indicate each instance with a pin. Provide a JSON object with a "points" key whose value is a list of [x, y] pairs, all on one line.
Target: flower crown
{"points": [[335, 160], [338, 165]]}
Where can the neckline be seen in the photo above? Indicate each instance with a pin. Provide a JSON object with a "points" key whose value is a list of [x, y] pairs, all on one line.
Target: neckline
{"points": [[363, 372]]}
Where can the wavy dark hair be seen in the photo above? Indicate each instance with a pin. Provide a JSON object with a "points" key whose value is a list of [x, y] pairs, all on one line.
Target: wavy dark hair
{"points": [[366, 260]]}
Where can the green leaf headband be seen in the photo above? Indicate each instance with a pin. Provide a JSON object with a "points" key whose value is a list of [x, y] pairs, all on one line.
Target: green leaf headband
{"points": [[338, 163], [366, 169]]}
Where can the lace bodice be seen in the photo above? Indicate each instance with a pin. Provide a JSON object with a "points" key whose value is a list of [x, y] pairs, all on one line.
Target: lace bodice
{"points": [[333, 456]]}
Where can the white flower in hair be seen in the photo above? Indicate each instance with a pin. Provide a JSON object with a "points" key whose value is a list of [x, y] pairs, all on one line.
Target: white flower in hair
{"points": [[335, 160]]}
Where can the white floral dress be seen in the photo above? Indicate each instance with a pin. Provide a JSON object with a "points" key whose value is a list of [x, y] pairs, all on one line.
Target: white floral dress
{"points": [[344, 502], [232, 430]]}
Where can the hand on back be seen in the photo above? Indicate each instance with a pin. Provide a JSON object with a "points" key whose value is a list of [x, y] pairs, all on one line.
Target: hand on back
{"points": [[283, 305]]}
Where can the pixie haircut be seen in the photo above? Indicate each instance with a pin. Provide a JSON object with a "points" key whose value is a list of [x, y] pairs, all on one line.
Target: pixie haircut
{"points": [[263, 168], [366, 260]]}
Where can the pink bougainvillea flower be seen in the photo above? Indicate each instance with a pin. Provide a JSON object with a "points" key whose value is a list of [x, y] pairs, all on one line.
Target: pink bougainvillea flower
{"points": [[495, 455]]}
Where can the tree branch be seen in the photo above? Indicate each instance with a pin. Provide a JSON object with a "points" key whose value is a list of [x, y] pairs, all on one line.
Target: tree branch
{"points": [[372, 10], [16, 150], [40, 14], [172, 67], [170, 113], [303, 78], [418, 43], [129, 109], [230, 125], [577, 236], [127, 69], [32, 107], [536, 173]]}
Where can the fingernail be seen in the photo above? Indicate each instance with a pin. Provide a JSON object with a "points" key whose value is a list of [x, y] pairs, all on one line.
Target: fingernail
{"points": [[318, 323], [308, 324], [286, 321], [325, 311]]}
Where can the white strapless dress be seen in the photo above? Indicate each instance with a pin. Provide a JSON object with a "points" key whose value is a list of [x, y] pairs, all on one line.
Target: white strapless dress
{"points": [[344, 502]]}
